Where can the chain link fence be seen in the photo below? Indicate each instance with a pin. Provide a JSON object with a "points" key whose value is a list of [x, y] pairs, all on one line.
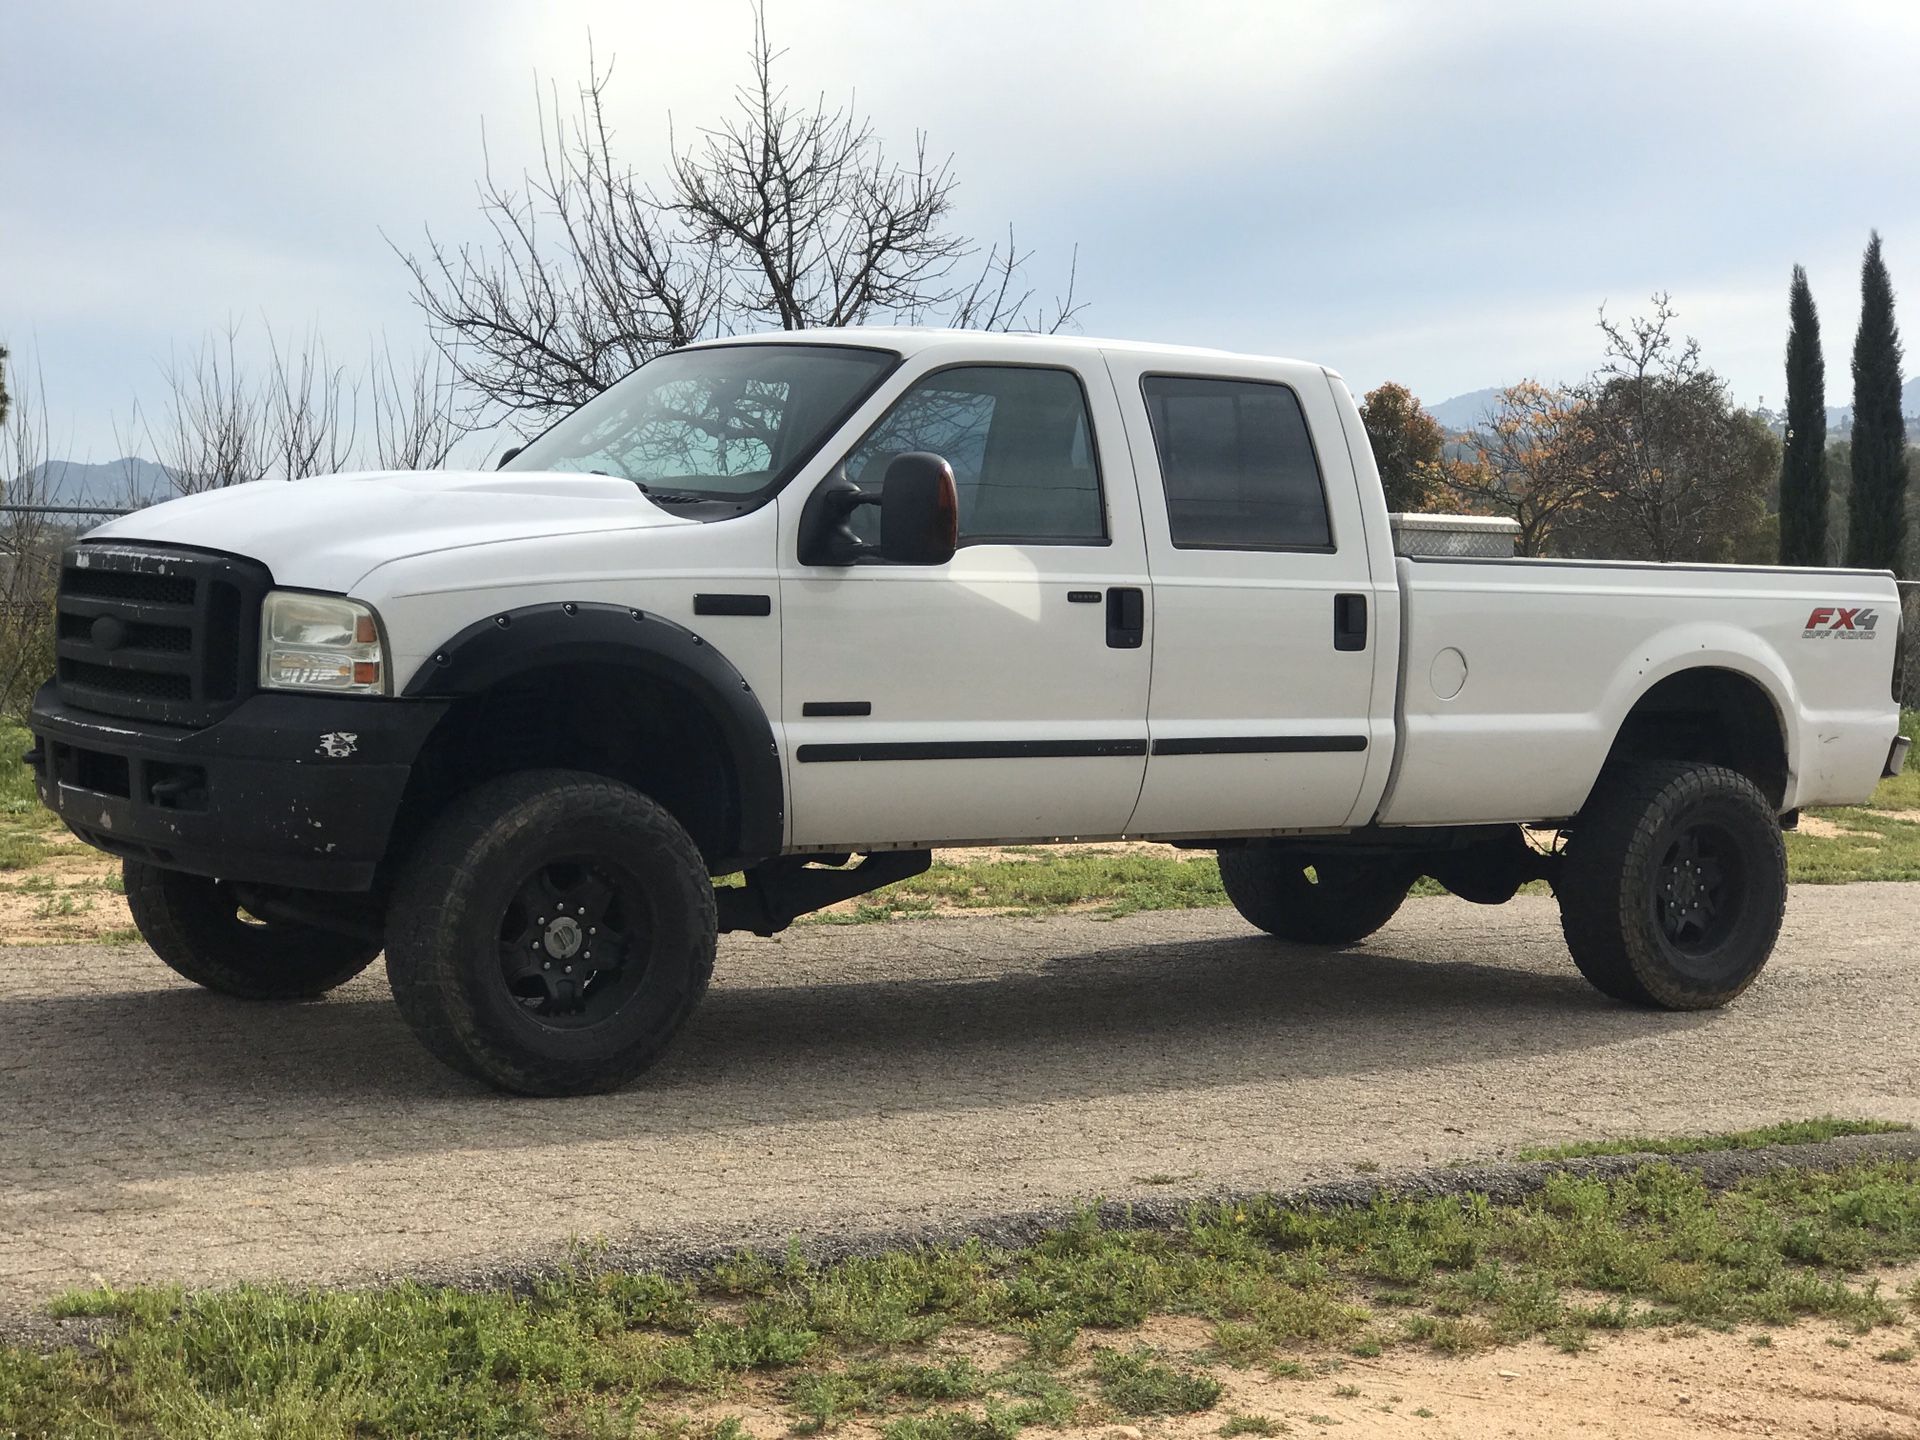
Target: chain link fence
{"points": [[1909, 682], [32, 538]]}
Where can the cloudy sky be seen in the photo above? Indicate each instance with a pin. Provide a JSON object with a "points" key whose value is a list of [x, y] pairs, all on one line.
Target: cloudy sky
{"points": [[1440, 194]]}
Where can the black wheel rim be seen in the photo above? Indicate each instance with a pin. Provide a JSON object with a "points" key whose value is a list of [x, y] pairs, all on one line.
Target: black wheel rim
{"points": [[1698, 890], [574, 942]]}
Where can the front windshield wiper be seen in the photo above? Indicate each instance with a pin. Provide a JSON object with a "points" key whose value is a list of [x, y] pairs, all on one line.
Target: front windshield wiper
{"points": [[659, 497], [667, 497], [649, 492]]}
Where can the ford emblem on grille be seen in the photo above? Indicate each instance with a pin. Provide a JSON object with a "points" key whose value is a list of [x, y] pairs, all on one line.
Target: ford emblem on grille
{"points": [[108, 633]]}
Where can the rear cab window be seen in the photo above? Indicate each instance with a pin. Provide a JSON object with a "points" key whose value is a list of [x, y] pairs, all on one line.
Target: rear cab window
{"points": [[1237, 463]]}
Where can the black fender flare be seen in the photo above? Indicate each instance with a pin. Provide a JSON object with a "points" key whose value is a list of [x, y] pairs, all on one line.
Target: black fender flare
{"points": [[513, 642]]}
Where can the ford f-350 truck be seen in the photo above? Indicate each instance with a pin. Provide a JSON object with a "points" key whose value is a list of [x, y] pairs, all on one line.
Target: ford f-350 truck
{"points": [[772, 603]]}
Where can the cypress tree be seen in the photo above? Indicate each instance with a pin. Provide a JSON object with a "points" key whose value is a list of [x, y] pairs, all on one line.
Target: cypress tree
{"points": [[1877, 506], [1803, 467]]}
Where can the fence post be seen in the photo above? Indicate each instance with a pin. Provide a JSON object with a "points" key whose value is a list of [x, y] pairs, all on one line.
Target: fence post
{"points": [[1909, 683]]}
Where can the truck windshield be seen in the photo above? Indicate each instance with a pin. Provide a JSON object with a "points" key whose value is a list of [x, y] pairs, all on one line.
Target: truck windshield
{"points": [[722, 422]]}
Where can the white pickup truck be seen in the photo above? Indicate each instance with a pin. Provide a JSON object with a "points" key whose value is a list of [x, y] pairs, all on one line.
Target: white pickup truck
{"points": [[772, 603]]}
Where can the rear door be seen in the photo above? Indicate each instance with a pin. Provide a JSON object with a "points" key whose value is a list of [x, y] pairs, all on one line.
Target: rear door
{"points": [[1002, 695], [1266, 621]]}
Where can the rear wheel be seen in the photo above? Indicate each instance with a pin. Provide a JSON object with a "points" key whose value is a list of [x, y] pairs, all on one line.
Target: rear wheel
{"points": [[551, 933], [1675, 885], [1319, 902], [200, 928]]}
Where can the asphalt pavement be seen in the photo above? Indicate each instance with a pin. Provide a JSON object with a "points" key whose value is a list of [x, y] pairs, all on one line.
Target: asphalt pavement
{"points": [[847, 1079]]}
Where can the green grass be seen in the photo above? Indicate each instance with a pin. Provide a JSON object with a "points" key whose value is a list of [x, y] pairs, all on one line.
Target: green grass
{"points": [[27, 830], [1874, 846], [1109, 882], [1793, 1132], [596, 1352], [1877, 846], [1880, 847], [1135, 1383], [1238, 1424]]}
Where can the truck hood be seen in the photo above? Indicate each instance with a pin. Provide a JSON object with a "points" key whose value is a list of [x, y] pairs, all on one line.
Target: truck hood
{"points": [[328, 532]]}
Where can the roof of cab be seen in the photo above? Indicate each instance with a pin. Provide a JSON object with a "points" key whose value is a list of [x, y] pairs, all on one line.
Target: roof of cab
{"points": [[912, 339]]}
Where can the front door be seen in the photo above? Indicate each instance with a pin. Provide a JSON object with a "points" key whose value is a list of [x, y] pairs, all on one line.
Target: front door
{"points": [[1002, 695]]}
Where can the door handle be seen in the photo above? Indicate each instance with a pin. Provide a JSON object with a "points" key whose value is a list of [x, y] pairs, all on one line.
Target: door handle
{"points": [[1126, 617], [1349, 622]]}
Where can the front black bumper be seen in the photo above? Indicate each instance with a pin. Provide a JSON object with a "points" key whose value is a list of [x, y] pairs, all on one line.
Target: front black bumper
{"points": [[297, 790]]}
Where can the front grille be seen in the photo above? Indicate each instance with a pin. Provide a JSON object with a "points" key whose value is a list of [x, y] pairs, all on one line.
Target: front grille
{"points": [[142, 684], [157, 633], [128, 584]]}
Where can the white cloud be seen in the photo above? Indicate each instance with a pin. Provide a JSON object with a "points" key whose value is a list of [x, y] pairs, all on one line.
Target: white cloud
{"points": [[1439, 194]]}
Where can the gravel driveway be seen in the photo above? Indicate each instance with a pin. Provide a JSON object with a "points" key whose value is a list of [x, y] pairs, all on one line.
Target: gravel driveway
{"points": [[848, 1079]]}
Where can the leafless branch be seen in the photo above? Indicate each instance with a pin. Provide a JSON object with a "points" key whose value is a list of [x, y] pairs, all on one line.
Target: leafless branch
{"points": [[30, 543], [783, 214]]}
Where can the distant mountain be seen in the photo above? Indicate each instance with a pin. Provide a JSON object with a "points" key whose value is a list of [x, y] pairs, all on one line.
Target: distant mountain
{"points": [[116, 484], [1840, 417], [1465, 412]]}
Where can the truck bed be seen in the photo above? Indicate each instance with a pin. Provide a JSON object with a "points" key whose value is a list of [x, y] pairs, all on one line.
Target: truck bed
{"points": [[1516, 675]]}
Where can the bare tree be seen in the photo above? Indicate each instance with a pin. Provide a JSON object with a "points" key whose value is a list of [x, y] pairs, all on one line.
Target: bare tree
{"points": [[1532, 463], [413, 411], [309, 412], [214, 433], [225, 423], [782, 214]]}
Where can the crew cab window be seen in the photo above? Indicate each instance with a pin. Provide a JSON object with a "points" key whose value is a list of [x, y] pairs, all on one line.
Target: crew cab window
{"points": [[1238, 465], [1020, 442]]}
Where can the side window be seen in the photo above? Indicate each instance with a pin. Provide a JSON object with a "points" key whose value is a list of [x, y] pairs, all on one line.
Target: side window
{"points": [[1238, 465], [1020, 442]]}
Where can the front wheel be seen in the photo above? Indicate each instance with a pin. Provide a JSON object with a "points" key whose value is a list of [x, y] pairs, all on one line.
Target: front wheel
{"points": [[202, 930], [551, 933], [1675, 885], [1343, 900]]}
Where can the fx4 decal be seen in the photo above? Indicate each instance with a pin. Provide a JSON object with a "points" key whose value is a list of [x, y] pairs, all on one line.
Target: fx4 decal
{"points": [[1835, 622]]}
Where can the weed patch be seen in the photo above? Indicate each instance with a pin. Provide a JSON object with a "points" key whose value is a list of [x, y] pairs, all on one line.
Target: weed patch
{"points": [[1793, 1132]]}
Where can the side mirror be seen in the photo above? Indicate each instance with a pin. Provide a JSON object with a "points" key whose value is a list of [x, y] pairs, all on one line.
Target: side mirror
{"points": [[507, 455], [919, 511], [919, 516]]}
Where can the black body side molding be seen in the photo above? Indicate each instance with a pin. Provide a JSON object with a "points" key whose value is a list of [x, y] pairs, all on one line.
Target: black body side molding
{"points": [[1260, 745], [862, 750]]}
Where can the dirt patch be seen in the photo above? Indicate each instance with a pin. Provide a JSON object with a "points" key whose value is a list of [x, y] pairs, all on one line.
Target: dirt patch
{"points": [[1813, 1378], [71, 896], [1821, 828]]}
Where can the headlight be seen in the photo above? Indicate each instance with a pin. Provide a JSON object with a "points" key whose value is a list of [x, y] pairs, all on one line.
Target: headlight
{"points": [[320, 642]]}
